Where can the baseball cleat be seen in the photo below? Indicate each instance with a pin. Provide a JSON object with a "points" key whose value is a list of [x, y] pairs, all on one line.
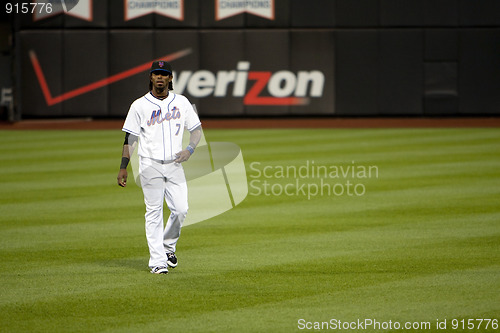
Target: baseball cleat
{"points": [[160, 270], [171, 260]]}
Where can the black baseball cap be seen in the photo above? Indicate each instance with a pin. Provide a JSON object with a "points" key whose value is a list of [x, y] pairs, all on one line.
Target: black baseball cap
{"points": [[161, 66]]}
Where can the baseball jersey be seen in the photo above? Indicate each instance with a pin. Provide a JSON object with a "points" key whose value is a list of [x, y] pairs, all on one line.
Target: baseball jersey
{"points": [[160, 124]]}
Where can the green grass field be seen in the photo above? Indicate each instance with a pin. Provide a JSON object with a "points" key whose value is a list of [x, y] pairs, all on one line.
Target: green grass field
{"points": [[420, 245]]}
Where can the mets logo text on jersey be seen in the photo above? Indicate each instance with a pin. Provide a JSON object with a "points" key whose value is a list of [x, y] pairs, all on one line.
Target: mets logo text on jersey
{"points": [[156, 117]]}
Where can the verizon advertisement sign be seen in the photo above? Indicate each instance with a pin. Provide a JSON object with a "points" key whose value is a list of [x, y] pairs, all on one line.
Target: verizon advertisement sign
{"points": [[255, 87], [260, 73], [224, 73]]}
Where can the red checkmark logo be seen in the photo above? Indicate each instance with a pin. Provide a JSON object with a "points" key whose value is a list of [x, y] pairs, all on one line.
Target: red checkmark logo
{"points": [[94, 85]]}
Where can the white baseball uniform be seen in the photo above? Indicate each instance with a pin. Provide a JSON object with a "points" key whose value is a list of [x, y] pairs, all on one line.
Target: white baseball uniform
{"points": [[160, 125]]}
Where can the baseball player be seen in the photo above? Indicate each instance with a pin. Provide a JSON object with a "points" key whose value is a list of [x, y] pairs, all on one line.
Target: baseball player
{"points": [[156, 122]]}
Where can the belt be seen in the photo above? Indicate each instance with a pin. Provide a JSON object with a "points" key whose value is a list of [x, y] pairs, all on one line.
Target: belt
{"points": [[160, 161]]}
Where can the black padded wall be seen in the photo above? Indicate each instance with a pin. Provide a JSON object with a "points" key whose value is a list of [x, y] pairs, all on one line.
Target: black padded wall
{"points": [[264, 58]]}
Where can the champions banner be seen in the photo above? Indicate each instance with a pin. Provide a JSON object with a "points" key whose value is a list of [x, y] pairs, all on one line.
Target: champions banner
{"points": [[81, 9], [169, 8], [174, 9], [228, 8]]}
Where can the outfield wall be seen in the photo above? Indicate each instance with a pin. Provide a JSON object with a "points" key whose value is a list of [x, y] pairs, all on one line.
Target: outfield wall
{"points": [[282, 57]]}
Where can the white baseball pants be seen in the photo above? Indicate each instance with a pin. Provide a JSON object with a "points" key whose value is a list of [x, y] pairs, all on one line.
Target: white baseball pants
{"points": [[159, 180]]}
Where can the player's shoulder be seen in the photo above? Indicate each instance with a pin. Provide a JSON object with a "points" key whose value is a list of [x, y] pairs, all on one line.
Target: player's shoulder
{"points": [[144, 99]]}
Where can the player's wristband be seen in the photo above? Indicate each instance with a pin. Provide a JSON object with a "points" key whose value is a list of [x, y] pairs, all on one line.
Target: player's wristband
{"points": [[190, 149], [124, 164]]}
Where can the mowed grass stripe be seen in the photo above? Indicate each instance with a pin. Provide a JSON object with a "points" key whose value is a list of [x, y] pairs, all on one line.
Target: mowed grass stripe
{"points": [[404, 301], [421, 244]]}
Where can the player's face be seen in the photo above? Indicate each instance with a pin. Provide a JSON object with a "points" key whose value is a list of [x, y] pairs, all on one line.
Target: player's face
{"points": [[160, 79]]}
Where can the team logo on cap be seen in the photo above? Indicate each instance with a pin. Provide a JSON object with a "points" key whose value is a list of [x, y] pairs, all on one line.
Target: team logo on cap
{"points": [[161, 64]]}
